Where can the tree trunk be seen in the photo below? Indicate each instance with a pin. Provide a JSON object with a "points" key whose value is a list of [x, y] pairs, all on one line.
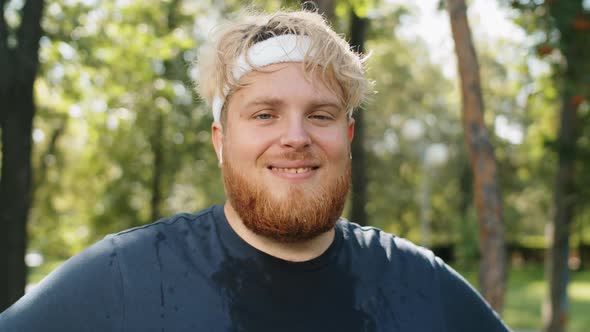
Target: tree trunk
{"points": [[158, 166], [19, 68], [15, 181], [557, 264], [466, 185], [158, 136], [492, 273], [572, 79], [358, 204]]}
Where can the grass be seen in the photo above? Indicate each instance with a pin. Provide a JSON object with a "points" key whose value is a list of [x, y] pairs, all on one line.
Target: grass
{"points": [[526, 292]]}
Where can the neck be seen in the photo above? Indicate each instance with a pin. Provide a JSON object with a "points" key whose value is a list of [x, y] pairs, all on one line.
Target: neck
{"points": [[294, 252]]}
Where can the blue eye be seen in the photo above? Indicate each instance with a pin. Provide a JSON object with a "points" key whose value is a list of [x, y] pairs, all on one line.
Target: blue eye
{"points": [[263, 116]]}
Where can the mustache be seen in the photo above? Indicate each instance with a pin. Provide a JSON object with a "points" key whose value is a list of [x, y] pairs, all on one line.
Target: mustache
{"points": [[295, 156], [298, 155]]}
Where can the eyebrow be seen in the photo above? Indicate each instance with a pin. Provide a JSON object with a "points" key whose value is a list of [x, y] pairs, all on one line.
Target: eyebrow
{"points": [[270, 101], [327, 104], [264, 101]]}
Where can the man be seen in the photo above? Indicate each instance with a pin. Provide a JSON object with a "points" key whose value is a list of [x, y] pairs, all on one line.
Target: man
{"points": [[276, 256]]}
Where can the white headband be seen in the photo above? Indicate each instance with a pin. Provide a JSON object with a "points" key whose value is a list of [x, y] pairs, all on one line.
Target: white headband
{"points": [[283, 48]]}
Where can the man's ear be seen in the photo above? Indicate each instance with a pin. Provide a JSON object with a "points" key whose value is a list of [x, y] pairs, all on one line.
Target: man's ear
{"points": [[217, 138], [350, 129]]}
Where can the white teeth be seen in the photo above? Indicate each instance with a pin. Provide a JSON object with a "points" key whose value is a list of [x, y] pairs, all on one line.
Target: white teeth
{"points": [[293, 170]]}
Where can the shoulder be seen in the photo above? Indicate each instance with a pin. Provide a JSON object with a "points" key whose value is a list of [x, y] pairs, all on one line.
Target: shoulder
{"points": [[465, 308], [140, 247], [423, 277], [175, 226], [142, 252], [90, 288], [368, 240], [85, 290], [392, 260]]}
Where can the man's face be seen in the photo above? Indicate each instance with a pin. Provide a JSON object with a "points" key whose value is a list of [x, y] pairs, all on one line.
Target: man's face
{"points": [[285, 152]]}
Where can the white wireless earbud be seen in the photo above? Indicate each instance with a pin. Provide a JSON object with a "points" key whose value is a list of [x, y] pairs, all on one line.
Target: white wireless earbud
{"points": [[221, 154]]}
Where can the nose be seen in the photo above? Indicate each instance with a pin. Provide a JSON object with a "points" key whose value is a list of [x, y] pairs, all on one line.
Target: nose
{"points": [[295, 135]]}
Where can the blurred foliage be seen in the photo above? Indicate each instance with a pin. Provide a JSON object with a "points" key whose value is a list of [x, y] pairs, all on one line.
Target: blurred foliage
{"points": [[115, 91], [113, 72], [558, 38]]}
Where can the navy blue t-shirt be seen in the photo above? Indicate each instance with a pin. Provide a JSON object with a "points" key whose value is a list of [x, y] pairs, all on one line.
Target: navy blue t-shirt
{"points": [[192, 272]]}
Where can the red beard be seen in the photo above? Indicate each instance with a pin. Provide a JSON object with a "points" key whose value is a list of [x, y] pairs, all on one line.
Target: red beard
{"points": [[295, 217]]}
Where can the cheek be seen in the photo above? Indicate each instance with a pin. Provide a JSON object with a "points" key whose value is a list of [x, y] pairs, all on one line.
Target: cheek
{"points": [[246, 145], [336, 147]]}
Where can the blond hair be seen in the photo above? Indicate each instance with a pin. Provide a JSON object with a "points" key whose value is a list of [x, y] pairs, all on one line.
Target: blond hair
{"points": [[329, 53]]}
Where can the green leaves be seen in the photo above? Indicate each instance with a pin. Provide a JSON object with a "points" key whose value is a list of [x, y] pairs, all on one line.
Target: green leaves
{"points": [[117, 71]]}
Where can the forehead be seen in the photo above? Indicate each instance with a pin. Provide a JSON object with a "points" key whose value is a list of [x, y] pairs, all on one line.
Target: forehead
{"points": [[289, 81]]}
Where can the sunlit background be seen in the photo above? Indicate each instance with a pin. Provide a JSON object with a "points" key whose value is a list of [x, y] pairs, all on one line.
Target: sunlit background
{"points": [[121, 139]]}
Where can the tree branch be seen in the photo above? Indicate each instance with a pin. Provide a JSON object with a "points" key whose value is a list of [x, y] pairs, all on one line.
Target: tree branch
{"points": [[28, 35]]}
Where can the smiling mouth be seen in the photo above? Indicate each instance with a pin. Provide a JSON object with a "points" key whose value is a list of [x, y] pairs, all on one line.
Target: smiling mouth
{"points": [[297, 170]]}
